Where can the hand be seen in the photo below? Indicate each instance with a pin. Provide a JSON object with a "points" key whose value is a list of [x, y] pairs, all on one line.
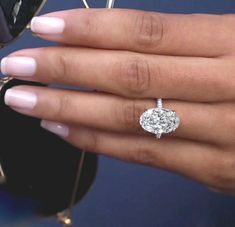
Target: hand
{"points": [[131, 58]]}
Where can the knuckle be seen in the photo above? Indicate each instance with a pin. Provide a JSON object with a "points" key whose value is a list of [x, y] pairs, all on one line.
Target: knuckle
{"points": [[63, 107], [129, 113], [149, 30], [62, 68], [55, 66], [143, 155], [88, 26], [135, 76]]}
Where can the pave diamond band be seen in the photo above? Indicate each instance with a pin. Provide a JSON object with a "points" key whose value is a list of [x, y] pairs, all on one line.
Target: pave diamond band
{"points": [[159, 120]]}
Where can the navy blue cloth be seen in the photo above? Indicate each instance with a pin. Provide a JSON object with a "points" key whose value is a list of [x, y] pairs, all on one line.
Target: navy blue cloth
{"points": [[126, 195]]}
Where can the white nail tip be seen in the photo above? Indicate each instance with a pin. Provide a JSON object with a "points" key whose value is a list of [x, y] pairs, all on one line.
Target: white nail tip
{"points": [[18, 66], [47, 25], [56, 128], [20, 99], [3, 66]]}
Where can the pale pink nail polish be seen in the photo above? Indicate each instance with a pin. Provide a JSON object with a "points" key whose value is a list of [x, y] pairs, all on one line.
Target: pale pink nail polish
{"points": [[47, 25], [56, 128], [18, 66], [20, 99]]}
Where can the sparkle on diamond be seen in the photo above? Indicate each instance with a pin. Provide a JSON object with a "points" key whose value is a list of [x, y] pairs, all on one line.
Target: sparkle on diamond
{"points": [[159, 121]]}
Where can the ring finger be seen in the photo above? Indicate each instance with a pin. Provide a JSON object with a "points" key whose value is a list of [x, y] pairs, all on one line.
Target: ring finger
{"points": [[109, 112]]}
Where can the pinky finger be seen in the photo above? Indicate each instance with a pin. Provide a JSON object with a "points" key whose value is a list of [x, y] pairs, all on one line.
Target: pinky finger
{"points": [[181, 156]]}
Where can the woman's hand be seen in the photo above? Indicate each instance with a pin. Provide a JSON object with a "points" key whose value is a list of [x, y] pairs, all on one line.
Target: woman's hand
{"points": [[131, 58]]}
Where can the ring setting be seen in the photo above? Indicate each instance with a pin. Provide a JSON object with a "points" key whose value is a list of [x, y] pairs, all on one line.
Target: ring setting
{"points": [[159, 120]]}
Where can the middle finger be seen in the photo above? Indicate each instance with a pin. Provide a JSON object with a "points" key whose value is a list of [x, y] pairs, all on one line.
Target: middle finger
{"points": [[127, 74]]}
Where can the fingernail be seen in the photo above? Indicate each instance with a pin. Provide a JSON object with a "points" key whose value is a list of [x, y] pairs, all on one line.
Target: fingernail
{"points": [[56, 128], [18, 66], [20, 99], [47, 25]]}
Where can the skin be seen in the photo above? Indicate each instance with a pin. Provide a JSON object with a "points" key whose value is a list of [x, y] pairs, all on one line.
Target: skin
{"points": [[136, 57]]}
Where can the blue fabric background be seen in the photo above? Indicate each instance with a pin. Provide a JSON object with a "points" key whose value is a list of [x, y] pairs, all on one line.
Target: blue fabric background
{"points": [[125, 195]]}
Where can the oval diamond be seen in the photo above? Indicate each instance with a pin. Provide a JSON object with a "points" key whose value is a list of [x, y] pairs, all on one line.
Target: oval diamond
{"points": [[159, 121]]}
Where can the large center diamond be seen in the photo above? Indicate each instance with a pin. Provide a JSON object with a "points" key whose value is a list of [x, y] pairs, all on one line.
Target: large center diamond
{"points": [[159, 121]]}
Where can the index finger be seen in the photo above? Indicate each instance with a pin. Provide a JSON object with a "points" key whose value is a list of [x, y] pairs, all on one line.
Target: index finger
{"points": [[148, 32]]}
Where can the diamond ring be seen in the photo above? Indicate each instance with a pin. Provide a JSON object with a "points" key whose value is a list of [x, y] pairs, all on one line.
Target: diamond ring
{"points": [[159, 120]]}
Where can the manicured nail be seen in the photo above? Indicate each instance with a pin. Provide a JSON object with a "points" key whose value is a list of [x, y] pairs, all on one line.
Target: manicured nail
{"points": [[47, 25], [56, 128], [20, 99], [18, 66]]}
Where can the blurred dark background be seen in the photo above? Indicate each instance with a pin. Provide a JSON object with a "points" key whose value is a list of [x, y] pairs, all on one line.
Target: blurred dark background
{"points": [[125, 195]]}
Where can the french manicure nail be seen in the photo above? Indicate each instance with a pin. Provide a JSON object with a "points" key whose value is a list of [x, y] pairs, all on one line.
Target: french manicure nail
{"points": [[20, 99], [56, 128], [47, 25], [18, 66]]}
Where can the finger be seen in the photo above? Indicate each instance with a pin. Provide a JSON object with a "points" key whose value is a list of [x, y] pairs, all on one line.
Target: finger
{"points": [[126, 74], [183, 157], [198, 121], [148, 32]]}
